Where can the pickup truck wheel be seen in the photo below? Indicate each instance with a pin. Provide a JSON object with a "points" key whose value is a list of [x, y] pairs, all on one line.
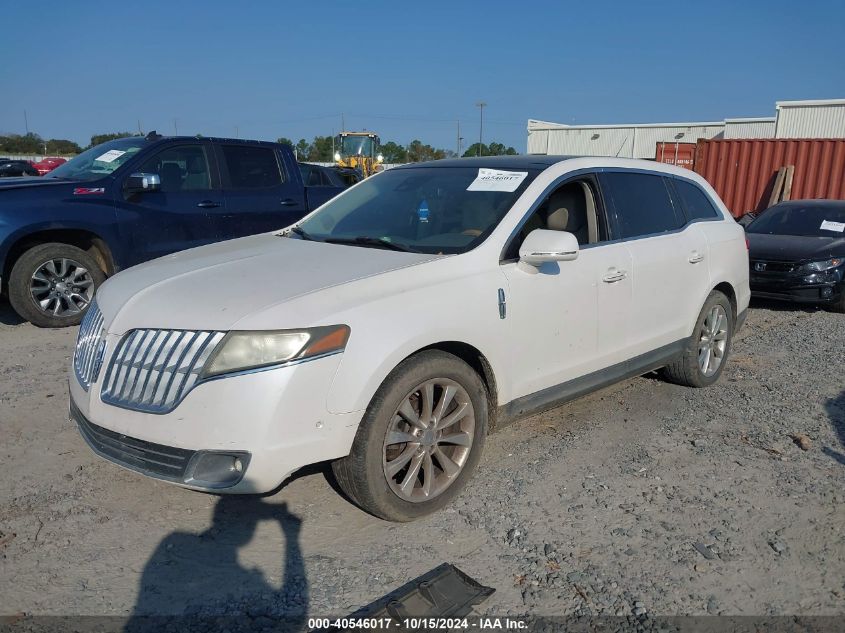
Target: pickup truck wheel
{"points": [[52, 285], [420, 439], [708, 348]]}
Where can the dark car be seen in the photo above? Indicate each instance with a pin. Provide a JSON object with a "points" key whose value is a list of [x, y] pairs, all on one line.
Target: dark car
{"points": [[134, 199], [11, 168], [797, 252], [320, 176]]}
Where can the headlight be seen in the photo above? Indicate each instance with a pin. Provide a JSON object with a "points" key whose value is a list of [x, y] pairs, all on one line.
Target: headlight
{"points": [[337, 155], [250, 350], [379, 158], [818, 267]]}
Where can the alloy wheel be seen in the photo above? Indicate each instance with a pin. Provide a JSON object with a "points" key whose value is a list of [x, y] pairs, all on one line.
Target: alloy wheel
{"points": [[713, 341], [62, 287], [428, 440]]}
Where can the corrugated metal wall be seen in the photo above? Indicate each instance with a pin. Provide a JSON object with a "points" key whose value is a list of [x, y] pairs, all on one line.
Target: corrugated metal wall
{"points": [[811, 121], [750, 128], [743, 171], [627, 141]]}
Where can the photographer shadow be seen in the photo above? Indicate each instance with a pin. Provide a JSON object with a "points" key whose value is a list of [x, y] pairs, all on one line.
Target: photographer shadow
{"points": [[197, 581]]}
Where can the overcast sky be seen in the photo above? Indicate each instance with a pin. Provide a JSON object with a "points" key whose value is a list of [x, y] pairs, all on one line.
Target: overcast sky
{"points": [[406, 69]]}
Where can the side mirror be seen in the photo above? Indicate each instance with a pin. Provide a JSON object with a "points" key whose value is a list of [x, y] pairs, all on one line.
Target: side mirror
{"points": [[543, 246], [140, 183]]}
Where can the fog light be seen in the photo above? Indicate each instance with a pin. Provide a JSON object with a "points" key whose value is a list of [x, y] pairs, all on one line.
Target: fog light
{"points": [[827, 292], [213, 469]]}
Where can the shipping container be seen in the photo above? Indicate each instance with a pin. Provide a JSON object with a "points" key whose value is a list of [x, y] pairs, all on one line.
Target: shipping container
{"points": [[743, 171], [680, 154]]}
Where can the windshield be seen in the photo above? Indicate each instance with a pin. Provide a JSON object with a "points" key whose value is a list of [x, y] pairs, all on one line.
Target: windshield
{"points": [[357, 146], [442, 210], [805, 221], [99, 161]]}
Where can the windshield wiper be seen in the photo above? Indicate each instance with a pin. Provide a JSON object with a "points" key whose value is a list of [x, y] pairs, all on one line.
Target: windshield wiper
{"points": [[366, 240], [303, 234]]}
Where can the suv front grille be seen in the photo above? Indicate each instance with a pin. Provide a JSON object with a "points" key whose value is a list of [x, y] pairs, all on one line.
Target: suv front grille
{"points": [[772, 267], [153, 370], [88, 355]]}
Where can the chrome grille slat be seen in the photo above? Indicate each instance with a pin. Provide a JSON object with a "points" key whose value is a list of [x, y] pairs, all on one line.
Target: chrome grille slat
{"points": [[88, 343], [152, 370]]}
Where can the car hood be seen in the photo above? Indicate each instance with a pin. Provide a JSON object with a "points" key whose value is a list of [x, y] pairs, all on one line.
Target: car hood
{"points": [[214, 287], [29, 181], [793, 248]]}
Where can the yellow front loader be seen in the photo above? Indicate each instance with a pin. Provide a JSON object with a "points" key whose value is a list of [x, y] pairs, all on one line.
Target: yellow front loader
{"points": [[358, 150]]}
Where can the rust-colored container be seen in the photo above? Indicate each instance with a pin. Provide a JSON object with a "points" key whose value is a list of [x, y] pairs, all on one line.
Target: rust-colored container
{"points": [[680, 154], [743, 171]]}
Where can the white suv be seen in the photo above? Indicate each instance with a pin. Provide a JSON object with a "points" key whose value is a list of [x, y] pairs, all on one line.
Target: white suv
{"points": [[396, 325]]}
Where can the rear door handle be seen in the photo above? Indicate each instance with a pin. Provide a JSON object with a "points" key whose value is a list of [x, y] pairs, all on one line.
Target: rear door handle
{"points": [[208, 204], [613, 276], [695, 257], [288, 202]]}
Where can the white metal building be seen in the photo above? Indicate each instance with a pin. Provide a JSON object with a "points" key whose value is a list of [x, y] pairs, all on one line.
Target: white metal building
{"points": [[794, 119], [824, 118]]}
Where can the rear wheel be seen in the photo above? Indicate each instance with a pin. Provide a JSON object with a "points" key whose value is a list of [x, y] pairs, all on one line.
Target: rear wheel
{"points": [[52, 285], [420, 439], [708, 348]]}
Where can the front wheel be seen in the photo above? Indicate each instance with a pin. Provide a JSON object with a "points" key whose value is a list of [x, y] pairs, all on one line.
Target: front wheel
{"points": [[708, 348], [420, 439], [52, 285]]}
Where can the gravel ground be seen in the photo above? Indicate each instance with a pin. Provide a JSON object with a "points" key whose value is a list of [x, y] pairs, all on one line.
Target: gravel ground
{"points": [[644, 498]]}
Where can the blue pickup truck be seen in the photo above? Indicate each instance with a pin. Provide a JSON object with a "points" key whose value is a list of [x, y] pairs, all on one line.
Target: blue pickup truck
{"points": [[133, 199]]}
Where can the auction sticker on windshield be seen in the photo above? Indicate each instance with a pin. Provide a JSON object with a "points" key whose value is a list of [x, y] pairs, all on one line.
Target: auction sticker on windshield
{"points": [[110, 156], [496, 180], [828, 225]]}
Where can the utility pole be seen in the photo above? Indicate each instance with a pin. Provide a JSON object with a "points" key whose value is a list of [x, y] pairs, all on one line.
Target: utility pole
{"points": [[237, 132], [459, 139], [26, 122], [342, 122], [480, 106], [140, 131], [175, 128]]}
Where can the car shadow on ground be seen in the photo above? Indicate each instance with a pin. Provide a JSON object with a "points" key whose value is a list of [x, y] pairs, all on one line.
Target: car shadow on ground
{"points": [[198, 580], [784, 306], [7, 315], [836, 413]]}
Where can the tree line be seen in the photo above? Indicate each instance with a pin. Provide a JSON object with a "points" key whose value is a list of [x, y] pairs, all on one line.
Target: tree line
{"points": [[319, 150]]}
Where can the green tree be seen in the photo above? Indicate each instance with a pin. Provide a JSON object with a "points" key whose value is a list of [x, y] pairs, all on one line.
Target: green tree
{"points": [[417, 152], [62, 146], [303, 148], [393, 152], [320, 150], [284, 141], [22, 144], [493, 149], [102, 138]]}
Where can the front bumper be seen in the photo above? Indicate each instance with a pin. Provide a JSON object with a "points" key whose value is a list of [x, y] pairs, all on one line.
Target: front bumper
{"points": [[817, 288], [276, 420]]}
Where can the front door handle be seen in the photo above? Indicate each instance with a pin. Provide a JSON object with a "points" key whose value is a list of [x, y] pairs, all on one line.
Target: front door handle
{"points": [[288, 202], [695, 257], [614, 275], [208, 204]]}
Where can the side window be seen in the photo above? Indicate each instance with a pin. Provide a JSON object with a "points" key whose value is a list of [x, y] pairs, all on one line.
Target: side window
{"points": [[571, 207], [181, 168], [642, 203], [695, 201], [251, 167]]}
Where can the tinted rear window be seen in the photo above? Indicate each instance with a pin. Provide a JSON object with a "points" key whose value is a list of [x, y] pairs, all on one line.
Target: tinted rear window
{"points": [[251, 167], [697, 203], [642, 204]]}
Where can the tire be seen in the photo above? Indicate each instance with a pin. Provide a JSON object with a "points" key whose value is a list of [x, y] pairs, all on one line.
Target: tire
{"points": [[80, 278], [363, 474], [688, 370]]}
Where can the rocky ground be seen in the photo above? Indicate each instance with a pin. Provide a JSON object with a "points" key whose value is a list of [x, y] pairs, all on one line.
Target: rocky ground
{"points": [[642, 499]]}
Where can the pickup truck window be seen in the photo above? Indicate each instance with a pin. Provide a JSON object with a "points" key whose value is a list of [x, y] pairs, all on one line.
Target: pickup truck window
{"points": [[181, 168], [251, 167], [99, 161]]}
